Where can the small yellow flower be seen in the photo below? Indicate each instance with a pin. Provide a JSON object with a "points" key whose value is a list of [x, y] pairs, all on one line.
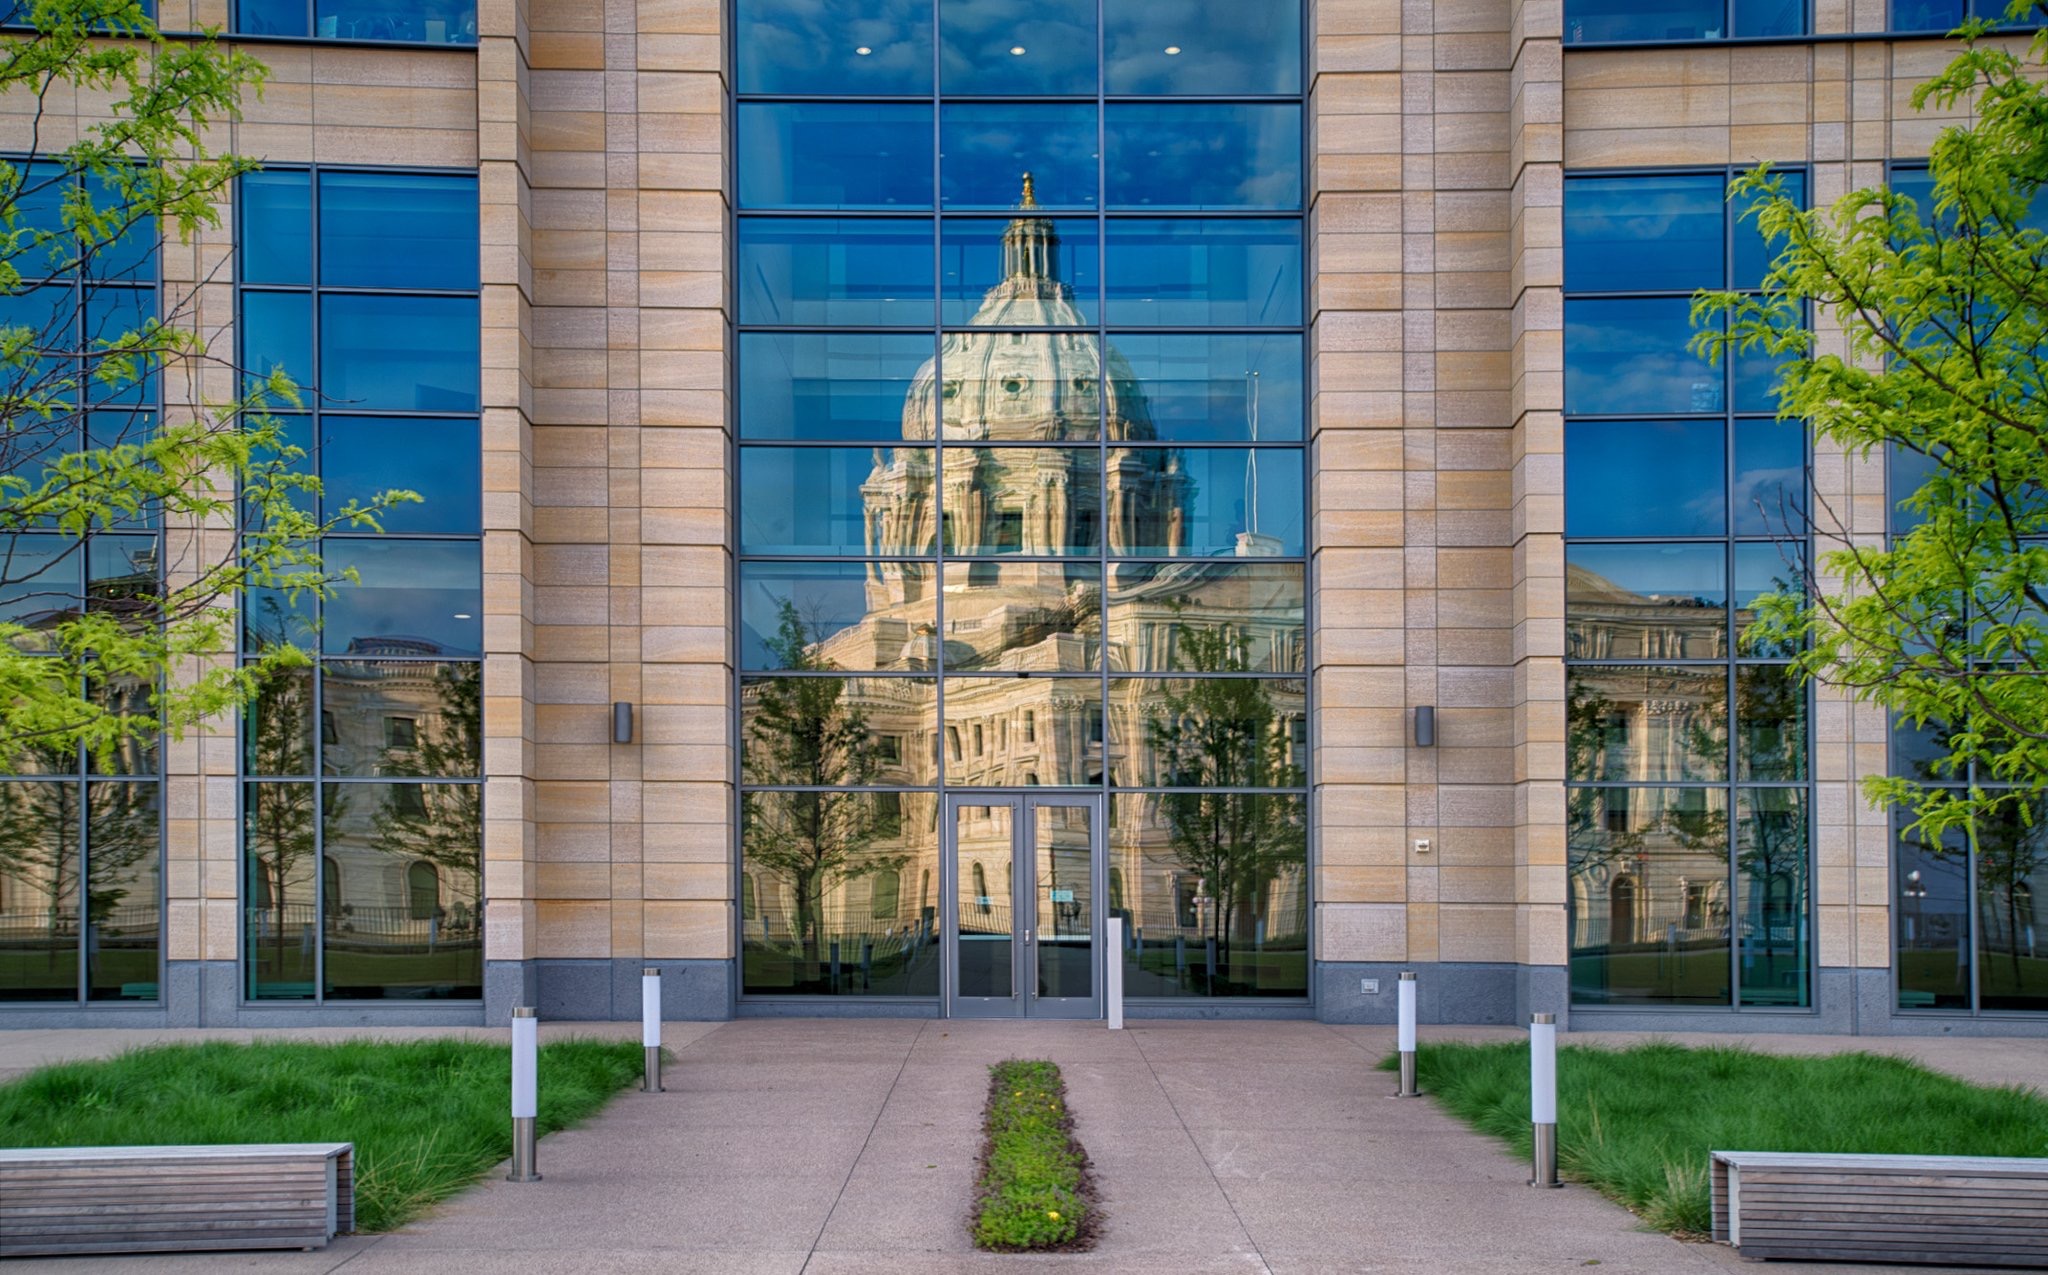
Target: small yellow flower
{"points": [[1054, 1214]]}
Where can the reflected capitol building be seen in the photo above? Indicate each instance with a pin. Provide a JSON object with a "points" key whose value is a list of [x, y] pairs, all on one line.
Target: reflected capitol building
{"points": [[986, 398]]}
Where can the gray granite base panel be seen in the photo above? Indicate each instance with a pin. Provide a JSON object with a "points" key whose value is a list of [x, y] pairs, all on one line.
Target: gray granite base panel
{"points": [[607, 990], [1469, 994]]}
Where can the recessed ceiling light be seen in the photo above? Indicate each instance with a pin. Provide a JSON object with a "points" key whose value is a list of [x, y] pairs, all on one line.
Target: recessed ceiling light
{"points": [[863, 50], [1173, 50], [1016, 50], [463, 615]]}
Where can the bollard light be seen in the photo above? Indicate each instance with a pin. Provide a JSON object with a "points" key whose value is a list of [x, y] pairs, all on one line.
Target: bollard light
{"points": [[525, 1092], [1543, 1099], [1113, 975], [1405, 1033], [650, 1027]]}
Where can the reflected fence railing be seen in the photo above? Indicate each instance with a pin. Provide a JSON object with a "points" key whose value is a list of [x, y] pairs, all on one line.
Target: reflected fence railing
{"points": [[386, 929], [35, 927]]}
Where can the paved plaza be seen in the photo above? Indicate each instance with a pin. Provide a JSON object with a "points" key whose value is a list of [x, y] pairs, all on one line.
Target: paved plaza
{"points": [[832, 1147]]}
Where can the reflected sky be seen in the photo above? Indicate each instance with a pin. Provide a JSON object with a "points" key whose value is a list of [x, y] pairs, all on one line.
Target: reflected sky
{"points": [[1644, 478]]}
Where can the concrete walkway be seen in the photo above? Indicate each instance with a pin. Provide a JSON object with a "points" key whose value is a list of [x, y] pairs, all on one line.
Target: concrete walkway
{"points": [[831, 1147]]}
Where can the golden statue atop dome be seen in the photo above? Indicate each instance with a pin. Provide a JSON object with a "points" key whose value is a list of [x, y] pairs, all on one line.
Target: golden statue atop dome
{"points": [[1030, 199]]}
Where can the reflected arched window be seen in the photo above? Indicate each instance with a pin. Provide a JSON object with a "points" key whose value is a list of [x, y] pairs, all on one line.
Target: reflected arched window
{"points": [[1621, 910], [981, 902], [1116, 889], [887, 894], [330, 882], [1030, 727], [422, 890], [748, 906]]}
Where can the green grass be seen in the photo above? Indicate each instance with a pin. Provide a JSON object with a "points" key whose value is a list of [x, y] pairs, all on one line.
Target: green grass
{"points": [[1637, 1124], [427, 1117], [1033, 1190]]}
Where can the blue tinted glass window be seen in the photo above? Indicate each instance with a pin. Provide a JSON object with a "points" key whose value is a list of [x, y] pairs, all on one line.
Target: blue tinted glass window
{"points": [[828, 386], [1195, 47], [1945, 15], [130, 256], [1753, 256], [413, 21], [398, 230], [1022, 47], [1769, 488], [42, 587], [415, 597], [1756, 379], [868, 47], [1769, 17], [977, 255], [809, 500], [811, 270], [112, 314], [399, 353], [1203, 156], [277, 333], [277, 236], [1909, 471], [834, 155], [274, 17], [1631, 356], [985, 152], [1195, 273], [1645, 478], [438, 459], [1594, 20], [1643, 234], [49, 316], [1219, 501], [1223, 387]]}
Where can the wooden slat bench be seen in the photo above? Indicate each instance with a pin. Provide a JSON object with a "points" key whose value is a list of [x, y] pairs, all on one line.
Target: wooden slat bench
{"points": [[168, 1199], [1936, 1210]]}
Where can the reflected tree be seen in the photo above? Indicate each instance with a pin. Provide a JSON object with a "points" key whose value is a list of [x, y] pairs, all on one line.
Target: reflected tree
{"points": [[803, 731], [1225, 733]]}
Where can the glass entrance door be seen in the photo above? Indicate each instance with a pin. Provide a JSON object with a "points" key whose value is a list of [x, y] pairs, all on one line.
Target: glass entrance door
{"points": [[1023, 932]]}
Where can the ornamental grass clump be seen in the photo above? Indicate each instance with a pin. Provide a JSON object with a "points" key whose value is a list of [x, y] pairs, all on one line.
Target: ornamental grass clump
{"points": [[1033, 1192]]}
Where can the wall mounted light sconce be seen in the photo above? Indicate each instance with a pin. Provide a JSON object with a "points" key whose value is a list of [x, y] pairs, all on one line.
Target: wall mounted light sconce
{"points": [[1425, 726], [622, 722]]}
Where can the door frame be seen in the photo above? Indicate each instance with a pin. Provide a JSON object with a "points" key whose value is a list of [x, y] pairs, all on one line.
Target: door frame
{"points": [[1024, 1001]]}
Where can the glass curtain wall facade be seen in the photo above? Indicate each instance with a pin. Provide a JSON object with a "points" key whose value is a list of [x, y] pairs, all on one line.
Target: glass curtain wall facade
{"points": [[81, 834], [1021, 476], [363, 799], [1970, 927], [1688, 803]]}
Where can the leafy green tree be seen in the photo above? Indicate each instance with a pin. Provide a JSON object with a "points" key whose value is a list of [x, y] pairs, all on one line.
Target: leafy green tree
{"points": [[88, 467], [1943, 319], [1224, 733]]}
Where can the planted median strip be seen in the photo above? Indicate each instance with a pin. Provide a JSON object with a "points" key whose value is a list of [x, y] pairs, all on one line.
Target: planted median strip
{"points": [[427, 1117], [1033, 1192], [1638, 1124]]}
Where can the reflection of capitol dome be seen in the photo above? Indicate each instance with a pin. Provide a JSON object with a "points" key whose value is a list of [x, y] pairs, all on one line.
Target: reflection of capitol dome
{"points": [[993, 386], [1027, 387]]}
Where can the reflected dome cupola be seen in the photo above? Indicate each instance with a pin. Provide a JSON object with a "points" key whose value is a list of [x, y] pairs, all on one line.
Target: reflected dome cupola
{"points": [[992, 382]]}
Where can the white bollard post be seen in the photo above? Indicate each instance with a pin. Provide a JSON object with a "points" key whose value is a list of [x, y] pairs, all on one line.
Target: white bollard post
{"points": [[1405, 1033], [525, 1092], [1113, 974], [650, 1027], [1543, 1099]]}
